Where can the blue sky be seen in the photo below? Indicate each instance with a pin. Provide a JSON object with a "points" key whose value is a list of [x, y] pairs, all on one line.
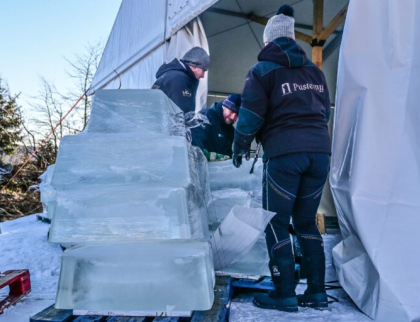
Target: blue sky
{"points": [[35, 36]]}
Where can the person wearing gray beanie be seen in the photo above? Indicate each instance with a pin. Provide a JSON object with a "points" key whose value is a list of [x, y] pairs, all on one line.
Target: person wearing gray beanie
{"points": [[286, 106], [179, 79], [197, 57]]}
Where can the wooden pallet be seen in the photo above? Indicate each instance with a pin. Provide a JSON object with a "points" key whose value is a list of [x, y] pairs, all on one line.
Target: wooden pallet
{"points": [[19, 283], [218, 313]]}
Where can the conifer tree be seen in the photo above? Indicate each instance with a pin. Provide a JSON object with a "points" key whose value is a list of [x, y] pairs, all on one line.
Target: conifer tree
{"points": [[10, 120]]}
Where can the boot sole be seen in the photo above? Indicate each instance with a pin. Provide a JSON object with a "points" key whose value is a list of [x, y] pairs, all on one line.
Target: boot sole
{"points": [[275, 307], [317, 306]]}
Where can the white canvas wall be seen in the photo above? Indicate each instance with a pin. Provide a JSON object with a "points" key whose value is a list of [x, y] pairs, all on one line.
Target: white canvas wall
{"points": [[375, 173]]}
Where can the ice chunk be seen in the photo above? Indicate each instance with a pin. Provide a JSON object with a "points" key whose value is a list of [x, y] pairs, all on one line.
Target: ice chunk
{"points": [[155, 276], [254, 263], [123, 158], [122, 213], [47, 191], [224, 200], [146, 112], [223, 175], [238, 233]]}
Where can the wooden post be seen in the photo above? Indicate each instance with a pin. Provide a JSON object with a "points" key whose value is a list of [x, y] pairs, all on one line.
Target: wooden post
{"points": [[318, 17], [320, 222], [317, 56]]}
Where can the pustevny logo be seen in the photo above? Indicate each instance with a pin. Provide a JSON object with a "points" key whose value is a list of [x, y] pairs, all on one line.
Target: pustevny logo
{"points": [[285, 88]]}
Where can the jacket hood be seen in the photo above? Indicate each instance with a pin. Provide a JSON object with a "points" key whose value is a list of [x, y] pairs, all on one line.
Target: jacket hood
{"points": [[175, 65], [284, 51]]}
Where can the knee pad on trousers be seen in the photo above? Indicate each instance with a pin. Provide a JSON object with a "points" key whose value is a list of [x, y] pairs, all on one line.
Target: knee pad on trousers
{"points": [[281, 249]]}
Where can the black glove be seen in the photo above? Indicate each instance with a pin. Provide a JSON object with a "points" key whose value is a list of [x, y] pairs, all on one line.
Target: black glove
{"points": [[237, 160]]}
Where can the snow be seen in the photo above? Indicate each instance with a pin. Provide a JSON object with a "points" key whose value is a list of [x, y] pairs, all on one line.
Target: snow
{"points": [[23, 244]]}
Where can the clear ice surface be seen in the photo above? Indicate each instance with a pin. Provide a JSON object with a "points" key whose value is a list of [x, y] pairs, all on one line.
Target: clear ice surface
{"points": [[94, 159], [146, 112], [158, 276], [131, 175]]}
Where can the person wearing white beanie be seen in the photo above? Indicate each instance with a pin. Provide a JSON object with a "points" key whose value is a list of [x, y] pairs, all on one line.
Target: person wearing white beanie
{"points": [[286, 107], [280, 25]]}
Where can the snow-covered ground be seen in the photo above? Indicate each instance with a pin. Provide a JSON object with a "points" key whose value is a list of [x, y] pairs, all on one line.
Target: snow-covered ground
{"points": [[23, 244]]}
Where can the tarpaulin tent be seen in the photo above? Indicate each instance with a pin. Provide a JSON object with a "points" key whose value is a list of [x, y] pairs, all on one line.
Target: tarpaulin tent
{"points": [[148, 33], [375, 173]]}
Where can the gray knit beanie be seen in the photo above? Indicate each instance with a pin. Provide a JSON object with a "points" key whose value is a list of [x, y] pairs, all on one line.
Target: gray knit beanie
{"points": [[197, 57], [280, 25]]}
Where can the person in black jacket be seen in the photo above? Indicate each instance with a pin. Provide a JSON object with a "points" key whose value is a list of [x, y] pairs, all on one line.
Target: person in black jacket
{"points": [[179, 78], [285, 104], [216, 138]]}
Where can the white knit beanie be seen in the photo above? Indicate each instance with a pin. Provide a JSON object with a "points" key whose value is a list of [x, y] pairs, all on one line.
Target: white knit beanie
{"points": [[279, 26]]}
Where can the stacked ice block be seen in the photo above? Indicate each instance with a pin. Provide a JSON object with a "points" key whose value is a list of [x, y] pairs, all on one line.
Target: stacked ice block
{"points": [[130, 176], [169, 276], [132, 183]]}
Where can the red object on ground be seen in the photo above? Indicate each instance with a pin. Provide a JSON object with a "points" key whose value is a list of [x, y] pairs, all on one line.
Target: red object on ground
{"points": [[19, 282]]}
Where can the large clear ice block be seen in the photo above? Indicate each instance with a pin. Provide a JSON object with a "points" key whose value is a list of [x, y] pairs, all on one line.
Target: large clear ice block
{"points": [[98, 159], [160, 276], [147, 112], [125, 213]]}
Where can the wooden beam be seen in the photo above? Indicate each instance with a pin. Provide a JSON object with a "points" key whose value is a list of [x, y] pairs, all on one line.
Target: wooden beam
{"points": [[332, 26], [304, 37], [318, 18], [255, 18]]}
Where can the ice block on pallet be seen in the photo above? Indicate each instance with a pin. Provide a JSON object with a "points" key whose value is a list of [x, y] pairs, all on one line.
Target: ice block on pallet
{"points": [[159, 276]]}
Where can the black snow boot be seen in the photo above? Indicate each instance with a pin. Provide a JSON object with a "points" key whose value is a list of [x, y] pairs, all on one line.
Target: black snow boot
{"points": [[274, 301], [313, 260], [317, 301], [284, 297]]}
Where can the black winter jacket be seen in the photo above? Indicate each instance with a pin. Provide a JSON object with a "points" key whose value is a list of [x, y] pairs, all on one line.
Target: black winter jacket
{"points": [[285, 103], [179, 83], [216, 136]]}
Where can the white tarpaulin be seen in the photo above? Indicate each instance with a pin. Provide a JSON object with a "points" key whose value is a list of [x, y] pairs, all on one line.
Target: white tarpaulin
{"points": [[375, 173]]}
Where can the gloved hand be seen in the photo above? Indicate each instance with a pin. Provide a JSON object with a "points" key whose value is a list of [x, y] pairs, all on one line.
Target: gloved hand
{"points": [[237, 160], [213, 156]]}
